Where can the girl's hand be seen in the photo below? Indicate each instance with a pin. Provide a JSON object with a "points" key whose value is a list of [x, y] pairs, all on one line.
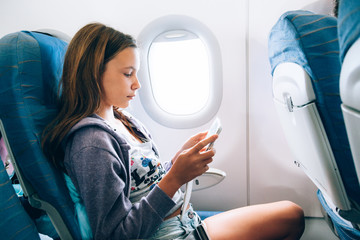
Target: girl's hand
{"points": [[189, 164], [189, 143]]}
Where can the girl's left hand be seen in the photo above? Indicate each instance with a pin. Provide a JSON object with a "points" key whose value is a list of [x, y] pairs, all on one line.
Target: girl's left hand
{"points": [[192, 141]]}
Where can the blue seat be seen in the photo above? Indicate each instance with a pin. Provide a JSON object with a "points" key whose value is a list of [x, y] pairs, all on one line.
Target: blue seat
{"points": [[304, 58], [30, 70]]}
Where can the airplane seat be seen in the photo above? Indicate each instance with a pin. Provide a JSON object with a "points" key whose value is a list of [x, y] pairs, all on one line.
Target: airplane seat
{"points": [[349, 41], [304, 58], [30, 70]]}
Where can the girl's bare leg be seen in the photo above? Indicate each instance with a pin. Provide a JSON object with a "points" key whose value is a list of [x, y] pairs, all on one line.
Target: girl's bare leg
{"points": [[278, 220]]}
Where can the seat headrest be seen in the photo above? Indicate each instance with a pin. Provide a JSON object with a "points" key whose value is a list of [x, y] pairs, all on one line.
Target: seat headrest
{"points": [[307, 39], [348, 25], [52, 52]]}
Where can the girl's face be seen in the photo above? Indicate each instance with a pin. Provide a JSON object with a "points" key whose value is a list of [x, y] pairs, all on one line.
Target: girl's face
{"points": [[119, 81]]}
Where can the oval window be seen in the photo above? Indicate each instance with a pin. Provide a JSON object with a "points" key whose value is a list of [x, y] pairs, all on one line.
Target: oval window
{"points": [[179, 72]]}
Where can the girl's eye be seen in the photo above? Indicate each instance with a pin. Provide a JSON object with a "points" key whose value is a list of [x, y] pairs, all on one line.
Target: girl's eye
{"points": [[127, 74]]}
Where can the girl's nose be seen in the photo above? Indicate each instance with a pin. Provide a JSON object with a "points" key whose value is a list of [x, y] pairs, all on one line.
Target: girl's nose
{"points": [[136, 84]]}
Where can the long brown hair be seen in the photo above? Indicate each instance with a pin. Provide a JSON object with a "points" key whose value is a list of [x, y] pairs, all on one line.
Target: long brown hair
{"points": [[80, 87]]}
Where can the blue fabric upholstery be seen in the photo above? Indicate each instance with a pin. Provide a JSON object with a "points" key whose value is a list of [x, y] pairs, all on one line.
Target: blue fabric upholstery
{"points": [[82, 217], [205, 214], [15, 223], [30, 69], [348, 24], [310, 40]]}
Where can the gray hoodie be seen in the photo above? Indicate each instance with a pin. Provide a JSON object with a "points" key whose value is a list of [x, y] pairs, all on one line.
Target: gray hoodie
{"points": [[97, 161]]}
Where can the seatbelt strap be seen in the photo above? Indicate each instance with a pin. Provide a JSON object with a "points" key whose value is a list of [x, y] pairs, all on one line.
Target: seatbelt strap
{"points": [[187, 196]]}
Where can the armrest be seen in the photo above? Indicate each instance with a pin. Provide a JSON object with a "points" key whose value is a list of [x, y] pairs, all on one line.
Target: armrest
{"points": [[210, 178]]}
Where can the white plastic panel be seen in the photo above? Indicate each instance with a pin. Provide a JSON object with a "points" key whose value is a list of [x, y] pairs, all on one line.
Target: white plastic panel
{"points": [[290, 79], [350, 96], [350, 77], [352, 123], [307, 139]]}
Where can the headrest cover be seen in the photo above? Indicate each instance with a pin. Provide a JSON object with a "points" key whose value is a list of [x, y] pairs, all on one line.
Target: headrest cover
{"points": [[348, 24], [307, 39]]}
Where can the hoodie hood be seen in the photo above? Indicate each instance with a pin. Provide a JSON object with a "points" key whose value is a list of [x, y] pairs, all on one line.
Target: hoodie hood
{"points": [[95, 120]]}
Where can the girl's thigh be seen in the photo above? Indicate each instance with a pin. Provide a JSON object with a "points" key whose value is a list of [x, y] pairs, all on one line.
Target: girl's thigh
{"points": [[278, 220]]}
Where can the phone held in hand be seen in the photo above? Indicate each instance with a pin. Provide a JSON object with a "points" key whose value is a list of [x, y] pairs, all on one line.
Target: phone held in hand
{"points": [[214, 129]]}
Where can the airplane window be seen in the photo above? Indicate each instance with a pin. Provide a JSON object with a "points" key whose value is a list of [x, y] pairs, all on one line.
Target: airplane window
{"points": [[180, 73]]}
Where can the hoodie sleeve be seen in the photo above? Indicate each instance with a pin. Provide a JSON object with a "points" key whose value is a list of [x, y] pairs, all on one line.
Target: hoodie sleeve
{"points": [[99, 168]]}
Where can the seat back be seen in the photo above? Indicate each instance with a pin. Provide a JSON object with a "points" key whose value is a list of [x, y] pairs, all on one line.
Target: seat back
{"points": [[30, 69], [349, 40], [304, 57]]}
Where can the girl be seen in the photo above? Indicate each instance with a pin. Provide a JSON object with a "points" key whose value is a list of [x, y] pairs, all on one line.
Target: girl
{"points": [[113, 163]]}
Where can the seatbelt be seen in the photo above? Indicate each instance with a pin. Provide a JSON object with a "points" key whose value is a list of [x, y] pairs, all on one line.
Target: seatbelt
{"points": [[187, 196]]}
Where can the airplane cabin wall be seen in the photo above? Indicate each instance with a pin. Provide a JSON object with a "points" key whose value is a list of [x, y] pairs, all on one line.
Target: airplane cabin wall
{"points": [[251, 149]]}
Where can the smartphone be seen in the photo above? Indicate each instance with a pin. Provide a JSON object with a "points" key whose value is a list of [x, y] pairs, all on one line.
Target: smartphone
{"points": [[214, 129]]}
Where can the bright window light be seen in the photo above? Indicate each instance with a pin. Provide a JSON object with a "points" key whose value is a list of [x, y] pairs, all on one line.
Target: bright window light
{"points": [[179, 72]]}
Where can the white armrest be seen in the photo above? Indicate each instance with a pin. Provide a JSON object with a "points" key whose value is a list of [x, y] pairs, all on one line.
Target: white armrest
{"points": [[210, 178]]}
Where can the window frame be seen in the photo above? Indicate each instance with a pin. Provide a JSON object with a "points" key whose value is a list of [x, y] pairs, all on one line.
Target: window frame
{"points": [[145, 39]]}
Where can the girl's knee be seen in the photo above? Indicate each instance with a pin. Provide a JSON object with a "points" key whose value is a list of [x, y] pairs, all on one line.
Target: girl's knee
{"points": [[295, 217], [294, 209]]}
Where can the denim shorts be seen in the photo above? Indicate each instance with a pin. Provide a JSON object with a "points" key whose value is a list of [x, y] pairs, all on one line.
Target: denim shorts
{"points": [[174, 228]]}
